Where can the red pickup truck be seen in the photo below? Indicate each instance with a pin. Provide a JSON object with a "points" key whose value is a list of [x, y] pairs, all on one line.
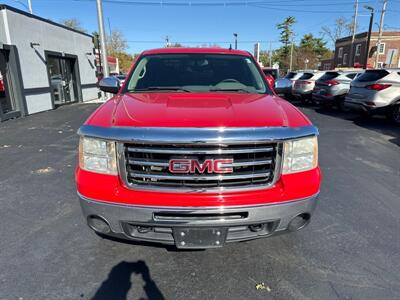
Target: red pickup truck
{"points": [[196, 150]]}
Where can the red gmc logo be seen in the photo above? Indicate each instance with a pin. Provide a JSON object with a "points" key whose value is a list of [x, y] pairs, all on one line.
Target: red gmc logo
{"points": [[194, 166]]}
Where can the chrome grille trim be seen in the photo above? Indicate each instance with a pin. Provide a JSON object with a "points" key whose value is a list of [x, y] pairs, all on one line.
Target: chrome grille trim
{"points": [[166, 164], [258, 170]]}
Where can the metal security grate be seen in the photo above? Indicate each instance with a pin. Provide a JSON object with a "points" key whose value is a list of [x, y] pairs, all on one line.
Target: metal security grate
{"points": [[254, 165]]}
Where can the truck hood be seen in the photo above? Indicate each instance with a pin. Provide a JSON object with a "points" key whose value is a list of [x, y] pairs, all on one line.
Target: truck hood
{"points": [[201, 110]]}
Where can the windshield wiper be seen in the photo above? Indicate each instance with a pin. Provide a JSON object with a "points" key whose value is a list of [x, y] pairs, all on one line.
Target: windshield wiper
{"points": [[230, 90], [162, 88]]}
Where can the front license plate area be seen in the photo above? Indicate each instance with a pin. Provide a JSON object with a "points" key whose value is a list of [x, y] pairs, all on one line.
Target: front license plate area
{"points": [[199, 238]]}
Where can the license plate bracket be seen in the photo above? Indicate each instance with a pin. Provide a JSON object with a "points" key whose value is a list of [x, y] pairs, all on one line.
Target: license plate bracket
{"points": [[199, 238]]}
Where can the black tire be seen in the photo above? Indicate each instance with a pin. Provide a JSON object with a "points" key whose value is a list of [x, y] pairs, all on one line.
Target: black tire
{"points": [[394, 114], [340, 104], [305, 99], [323, 105], [287, 96]]}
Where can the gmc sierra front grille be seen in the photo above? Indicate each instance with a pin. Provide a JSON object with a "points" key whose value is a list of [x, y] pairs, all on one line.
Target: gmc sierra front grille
{"points": [[147, 166]]}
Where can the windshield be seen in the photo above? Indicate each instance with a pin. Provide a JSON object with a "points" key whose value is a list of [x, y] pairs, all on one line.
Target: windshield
{"points": [[329, 76], [372, 75], [291, 75], [196, 73], [306, 76]]}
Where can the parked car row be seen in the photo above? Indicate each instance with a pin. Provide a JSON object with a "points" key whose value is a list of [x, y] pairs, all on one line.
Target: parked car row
{"points": [[375, 91]]}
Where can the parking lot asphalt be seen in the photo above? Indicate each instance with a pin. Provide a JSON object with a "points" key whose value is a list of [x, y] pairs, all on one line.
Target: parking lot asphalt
{"points": [[351, 249]]}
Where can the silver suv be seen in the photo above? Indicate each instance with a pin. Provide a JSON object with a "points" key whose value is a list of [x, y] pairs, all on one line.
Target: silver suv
{"points": [[284, 86], [376, 92], [304, 86], [332, 87]]}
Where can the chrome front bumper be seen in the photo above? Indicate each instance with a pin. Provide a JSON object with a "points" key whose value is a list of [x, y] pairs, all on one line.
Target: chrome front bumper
{"points": [[162, 224]]}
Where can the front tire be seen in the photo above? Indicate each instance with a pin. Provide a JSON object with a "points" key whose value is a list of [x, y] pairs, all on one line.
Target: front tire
{"points": [[340, 104]]}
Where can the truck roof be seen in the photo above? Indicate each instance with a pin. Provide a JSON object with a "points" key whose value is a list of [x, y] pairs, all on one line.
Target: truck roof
{"points": [[177, 50]]}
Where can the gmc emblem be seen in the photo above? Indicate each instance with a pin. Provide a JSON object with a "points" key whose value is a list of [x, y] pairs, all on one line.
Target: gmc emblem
{"points": [[218, 166]]}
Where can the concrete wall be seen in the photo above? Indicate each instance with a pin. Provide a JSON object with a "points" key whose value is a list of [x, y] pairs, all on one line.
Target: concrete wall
{"points": [[24, 30]]}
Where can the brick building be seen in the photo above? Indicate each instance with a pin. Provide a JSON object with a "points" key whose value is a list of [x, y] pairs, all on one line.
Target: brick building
{"points": [[326, 64], [389, 41]]}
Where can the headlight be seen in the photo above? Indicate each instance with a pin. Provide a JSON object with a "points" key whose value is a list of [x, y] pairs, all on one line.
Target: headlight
{"points": [[300, 155], [97, 156]]}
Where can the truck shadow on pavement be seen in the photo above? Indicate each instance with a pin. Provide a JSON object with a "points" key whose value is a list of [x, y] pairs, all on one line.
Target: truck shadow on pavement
{"points": [[118, 282]]}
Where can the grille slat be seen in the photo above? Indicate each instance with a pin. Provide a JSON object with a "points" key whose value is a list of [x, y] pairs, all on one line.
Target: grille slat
{"points": [[192, 151], [146, 166], [199, 177]]}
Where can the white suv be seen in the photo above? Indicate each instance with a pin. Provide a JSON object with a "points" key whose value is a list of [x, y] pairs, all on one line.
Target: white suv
{"points": [[376, 92]]}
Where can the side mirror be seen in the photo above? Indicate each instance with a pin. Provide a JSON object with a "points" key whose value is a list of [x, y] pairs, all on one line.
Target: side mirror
{"points": [[270, 80], [109, 85]]}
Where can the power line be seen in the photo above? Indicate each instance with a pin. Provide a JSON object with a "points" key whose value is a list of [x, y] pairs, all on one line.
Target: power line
{"points": [[254, 3], [199, 42]]}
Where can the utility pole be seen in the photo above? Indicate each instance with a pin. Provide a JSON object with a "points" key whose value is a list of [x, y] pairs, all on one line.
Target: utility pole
{"points": [[291, 57], [371, 20], [270, 54], [306, 61], [351, 60], [102, 38], [380, 32], [235, 35], [30, 6]]}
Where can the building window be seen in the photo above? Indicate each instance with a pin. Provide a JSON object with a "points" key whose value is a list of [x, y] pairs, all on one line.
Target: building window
{"points": [[358, 49], [345, 59], [381, 48], [380, 65], [340, 53]]}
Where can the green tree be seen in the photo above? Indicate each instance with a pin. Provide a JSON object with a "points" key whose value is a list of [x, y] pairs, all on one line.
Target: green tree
{"points": [[175, 45], [313, 44], [311, 49], [264, 58], [73, 23], [96, 41], [125, 61], [286, 37]]}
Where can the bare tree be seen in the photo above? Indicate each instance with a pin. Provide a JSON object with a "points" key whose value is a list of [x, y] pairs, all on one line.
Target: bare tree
{"points": [[341, 28], [116, 43], [73, 24]]}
